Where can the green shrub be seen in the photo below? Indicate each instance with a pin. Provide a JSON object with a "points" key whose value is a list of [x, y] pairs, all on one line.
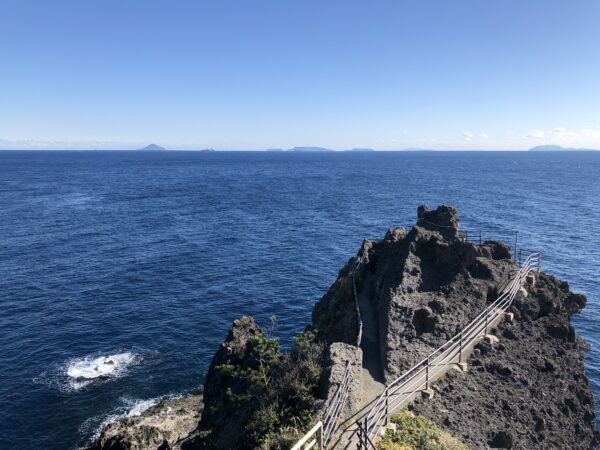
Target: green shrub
{"points": [[287, 404], [417, 433], [278, 390]]}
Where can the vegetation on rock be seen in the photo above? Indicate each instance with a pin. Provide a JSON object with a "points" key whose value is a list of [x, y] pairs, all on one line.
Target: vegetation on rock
{"points": [[278, 390], [417, 433]]}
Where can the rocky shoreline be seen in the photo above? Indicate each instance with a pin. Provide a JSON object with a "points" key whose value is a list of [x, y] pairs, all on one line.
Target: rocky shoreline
{"points": [[162, 426], [418, 287]]}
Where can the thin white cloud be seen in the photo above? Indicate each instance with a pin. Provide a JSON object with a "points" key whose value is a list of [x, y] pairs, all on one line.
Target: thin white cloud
{"points": [[536, 134], [484, 135], [590, 133], [467, 136], [560, 131]]}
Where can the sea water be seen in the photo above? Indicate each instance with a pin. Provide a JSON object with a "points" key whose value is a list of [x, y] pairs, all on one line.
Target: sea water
{"points": [[121, 272]]}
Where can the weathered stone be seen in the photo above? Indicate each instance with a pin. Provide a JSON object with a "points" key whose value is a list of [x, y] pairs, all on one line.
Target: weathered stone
{"points": [[340, 355], [159, 427], [502, 439]]}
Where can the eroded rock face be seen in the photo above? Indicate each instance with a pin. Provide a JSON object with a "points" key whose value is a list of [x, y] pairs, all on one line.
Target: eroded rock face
{"points": [[160, 427], [335, 314], [338, 356], [443, 220], [529, 390]]}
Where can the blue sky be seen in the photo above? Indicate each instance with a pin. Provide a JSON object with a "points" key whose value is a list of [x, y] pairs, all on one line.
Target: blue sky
{"points": [[261, 74]]}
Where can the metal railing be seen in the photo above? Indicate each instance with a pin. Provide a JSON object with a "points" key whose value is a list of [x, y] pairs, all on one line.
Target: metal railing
{"points": [[356, 306], [332, 416], [419, 377], [313, 438], [324, 430]]}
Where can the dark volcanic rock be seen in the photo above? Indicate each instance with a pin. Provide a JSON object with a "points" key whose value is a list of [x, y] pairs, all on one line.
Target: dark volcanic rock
{"points": [[428, 285], [443, 220], [532, 395]]}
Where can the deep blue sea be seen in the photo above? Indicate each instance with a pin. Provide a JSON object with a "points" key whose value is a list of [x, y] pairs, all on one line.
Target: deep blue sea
{"points": [[148, 257]]}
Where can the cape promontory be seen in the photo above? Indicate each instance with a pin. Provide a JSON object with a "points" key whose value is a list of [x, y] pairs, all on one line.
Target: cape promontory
{"points": [[521, 386]]}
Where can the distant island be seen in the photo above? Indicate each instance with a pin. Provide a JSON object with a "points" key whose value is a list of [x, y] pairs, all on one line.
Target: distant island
{"points": [[316, 149], [208, 150], [558, 148], [310, 149], [152, 147]]}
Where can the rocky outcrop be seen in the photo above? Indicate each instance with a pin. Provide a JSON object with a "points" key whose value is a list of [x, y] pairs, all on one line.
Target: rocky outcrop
{"points": [[425, 284], [224, 387], [528, 391], [162, 427], [339, 356]]}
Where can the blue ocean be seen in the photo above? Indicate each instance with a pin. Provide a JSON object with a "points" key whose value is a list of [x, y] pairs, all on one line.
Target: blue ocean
{"points": [[149, 256]]}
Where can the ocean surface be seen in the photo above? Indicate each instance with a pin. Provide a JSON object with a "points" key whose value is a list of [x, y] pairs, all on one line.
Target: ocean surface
{"points": [[120, 272]]}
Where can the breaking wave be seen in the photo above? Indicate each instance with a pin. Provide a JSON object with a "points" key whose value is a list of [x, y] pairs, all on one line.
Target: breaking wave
{"points": [[78, 373], [102, 366]]}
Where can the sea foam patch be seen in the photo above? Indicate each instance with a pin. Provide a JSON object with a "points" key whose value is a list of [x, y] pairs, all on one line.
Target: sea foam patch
{"points": [[92, 367], [78, 373]]}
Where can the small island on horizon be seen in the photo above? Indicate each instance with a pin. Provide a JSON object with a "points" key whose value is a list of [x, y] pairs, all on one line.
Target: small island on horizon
{"points": [[558, 148], [152, 147]]}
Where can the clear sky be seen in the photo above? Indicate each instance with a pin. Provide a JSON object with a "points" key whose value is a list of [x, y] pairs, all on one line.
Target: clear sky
{"points": [[441, 74]]}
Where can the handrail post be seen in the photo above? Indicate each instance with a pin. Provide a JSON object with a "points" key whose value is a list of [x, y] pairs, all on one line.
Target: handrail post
{"points": [[320, 439], [460, 347], [539, 262], [360, 436], [487, 314], [427, 374], [366, 431], [387, 412], [516, 242]]}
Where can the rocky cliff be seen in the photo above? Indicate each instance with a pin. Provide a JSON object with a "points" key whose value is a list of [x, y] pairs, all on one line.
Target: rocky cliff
{"points": [[393, 303]]}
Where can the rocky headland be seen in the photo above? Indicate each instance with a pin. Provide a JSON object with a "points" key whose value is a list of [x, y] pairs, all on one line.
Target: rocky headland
{"points": [[391, 305]]}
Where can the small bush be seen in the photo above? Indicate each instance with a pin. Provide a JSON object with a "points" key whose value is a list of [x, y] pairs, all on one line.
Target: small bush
{"points": [[283, 387], [417, 433]]}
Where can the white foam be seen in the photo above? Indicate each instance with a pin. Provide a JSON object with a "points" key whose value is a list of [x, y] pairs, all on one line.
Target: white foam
{"points": [[89, 368]]}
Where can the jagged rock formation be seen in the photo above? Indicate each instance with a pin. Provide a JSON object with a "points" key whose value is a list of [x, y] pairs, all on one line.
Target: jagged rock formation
{"points": [[162, 426], [426, 284]]}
